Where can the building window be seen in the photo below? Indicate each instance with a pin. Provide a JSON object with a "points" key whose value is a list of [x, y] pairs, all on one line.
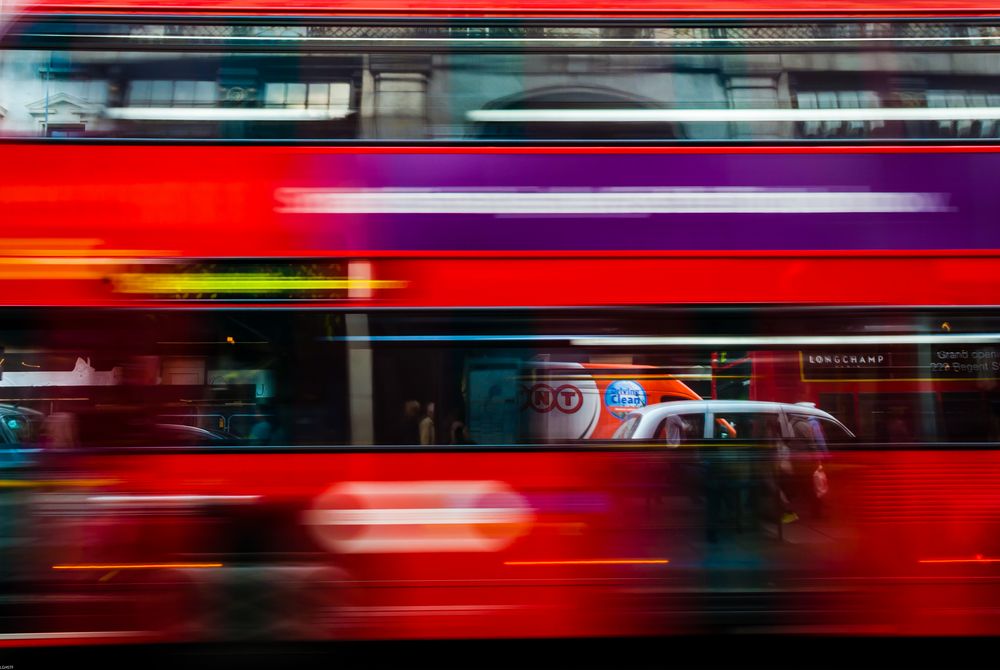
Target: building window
{"points": [[65, 130], [314, 95], [927, 96], [168, 93], [938, 98], [838, 100]]}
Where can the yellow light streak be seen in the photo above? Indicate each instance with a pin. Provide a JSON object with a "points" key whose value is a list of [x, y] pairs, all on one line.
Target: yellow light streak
{"points": [[55, 483], [70, 246], [70, 255], [134, 566], [242, 283], [75, 242]]}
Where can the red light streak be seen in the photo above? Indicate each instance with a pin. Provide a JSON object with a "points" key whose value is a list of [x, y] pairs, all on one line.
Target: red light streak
{"points": [[978, 558]]}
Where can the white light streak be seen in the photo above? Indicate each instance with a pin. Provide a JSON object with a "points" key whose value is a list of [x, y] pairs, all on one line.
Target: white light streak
{"points": [[782, 340], [731, 115], [607, 201], [430, 516], [117, 499], [454, 41], [224, 114]]}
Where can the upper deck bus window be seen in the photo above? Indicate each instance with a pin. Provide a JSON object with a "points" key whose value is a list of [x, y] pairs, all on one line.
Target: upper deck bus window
{"points": [[466, 81]]}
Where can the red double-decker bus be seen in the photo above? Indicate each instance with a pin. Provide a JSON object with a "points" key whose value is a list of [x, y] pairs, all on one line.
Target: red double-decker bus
{"points": [[326, 303], [793, 149]]}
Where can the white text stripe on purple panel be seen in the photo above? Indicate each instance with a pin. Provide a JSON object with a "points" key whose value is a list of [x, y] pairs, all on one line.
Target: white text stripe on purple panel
{"points": [[606, 201]]}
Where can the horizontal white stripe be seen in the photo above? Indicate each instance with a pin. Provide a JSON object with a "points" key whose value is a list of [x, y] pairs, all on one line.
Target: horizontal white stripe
{"points": [[602, 201], [731, 115], [520, 40], [169, 498], [795, 340], [417, 516], [223, 114]]}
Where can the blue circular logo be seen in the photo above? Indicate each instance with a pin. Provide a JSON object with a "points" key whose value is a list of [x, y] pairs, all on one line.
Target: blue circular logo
{"points": [[624, 396]]}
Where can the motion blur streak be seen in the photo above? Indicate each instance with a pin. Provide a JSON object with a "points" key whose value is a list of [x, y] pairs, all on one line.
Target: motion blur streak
{"points": [[414, 516], [610, 561], [419, 516], [730, 115], [961, 560], [172, 498], [240, 283], [201, 114], [617, 201], [136, 566], [545, 41], [793, 340], [71, 635], [57, 483]]}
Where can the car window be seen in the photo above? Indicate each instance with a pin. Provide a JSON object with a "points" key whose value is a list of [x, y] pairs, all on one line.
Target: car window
{"points": [[679, 429], [745, 426], [834, 432], [171, 435], [765, 427], [627, 428], [803, 428], [816, 432], [183, 436], [23, 429]]}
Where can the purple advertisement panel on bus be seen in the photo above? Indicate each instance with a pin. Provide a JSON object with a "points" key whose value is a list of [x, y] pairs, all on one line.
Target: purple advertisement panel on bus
{"points": [[733, 201]]}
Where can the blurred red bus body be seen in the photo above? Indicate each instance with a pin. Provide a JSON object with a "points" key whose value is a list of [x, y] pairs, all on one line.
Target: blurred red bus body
{"points": [[337, 157]]}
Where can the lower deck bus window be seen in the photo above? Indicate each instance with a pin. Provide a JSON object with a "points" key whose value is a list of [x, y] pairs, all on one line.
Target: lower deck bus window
{"points": [[203, 379]]}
